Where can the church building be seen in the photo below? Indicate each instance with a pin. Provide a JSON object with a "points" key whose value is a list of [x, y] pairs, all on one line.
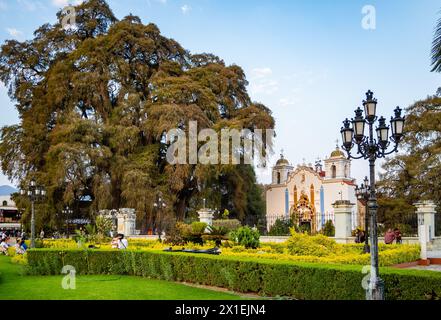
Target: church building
{"points": [[306, 193]]}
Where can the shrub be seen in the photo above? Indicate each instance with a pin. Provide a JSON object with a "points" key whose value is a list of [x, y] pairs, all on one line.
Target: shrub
{"points": [[281, 228], [301, 244], [329, 229], [20, 259], [243, 274], [198, 228], [230, 224], [175, 235], [216, 234], [183, 233], [246, 237], [103, 226]]}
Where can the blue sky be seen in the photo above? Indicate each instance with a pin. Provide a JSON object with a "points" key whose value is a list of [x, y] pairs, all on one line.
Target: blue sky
{"points": [[309, 61]]}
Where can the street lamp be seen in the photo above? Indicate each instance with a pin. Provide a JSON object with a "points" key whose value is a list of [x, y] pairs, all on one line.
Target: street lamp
{"points": [[363, 193], [67, 212], [159, 206], [34, 193], [371, 148]]}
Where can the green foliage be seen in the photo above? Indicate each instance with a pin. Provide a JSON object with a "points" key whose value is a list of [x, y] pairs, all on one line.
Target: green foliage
{"points": [[88, 235], [226, 214], [247, 237], [198, 227], [413, 174], [183, 233], [103, 226], [329, 229], [263, 276], [218, 231], [281, 228], [230, 224]]}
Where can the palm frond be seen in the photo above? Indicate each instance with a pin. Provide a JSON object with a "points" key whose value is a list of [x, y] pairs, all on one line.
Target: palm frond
{"points": [[436, 48]]}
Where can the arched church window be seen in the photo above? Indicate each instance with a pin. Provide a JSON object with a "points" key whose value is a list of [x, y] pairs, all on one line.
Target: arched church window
{"points": [[278, 177], [346, 171], [333, 172], [5, 203]]}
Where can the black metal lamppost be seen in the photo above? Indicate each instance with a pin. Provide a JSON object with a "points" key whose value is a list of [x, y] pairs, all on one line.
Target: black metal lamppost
{"points": [[67, 212], [159, 206], [34, 193], [363, 193], [371, 148]]}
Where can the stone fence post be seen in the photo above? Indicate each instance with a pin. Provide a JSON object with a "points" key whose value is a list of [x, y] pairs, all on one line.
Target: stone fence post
{"points": [[206, 215], [426, 214], [426, 225], [343, 220], [126, 221]]}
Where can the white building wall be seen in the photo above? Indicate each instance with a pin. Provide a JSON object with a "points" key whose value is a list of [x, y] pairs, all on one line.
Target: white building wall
{"points": [[275, 204], [8, 200]]}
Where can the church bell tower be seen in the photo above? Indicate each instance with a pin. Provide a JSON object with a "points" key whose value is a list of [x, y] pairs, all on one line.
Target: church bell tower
{"points": [[281, 170]]}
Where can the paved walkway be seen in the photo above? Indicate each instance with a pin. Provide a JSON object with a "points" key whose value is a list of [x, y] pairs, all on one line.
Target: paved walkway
{"points": [[432, 267], [434, 254]]}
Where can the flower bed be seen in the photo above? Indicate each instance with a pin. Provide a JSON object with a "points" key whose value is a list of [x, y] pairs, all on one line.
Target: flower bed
{"points": [[313, 249]]}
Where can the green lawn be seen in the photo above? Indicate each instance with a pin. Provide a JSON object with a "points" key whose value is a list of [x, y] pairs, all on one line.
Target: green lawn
{"points": [[14, 286]]}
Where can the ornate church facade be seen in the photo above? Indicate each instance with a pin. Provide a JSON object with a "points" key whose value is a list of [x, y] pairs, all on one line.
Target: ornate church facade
{"points": [[306, 193]]}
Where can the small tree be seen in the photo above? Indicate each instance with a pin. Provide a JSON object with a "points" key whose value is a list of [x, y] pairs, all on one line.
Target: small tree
{"points": [[103, 226], [281, 228], [329, 229], [247, 237]]}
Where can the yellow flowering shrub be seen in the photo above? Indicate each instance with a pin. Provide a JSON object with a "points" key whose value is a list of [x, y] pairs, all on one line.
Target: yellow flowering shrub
{"points": [[300, 247]]}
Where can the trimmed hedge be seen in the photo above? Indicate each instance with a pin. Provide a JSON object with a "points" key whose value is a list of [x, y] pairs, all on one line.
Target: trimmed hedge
{"points": [[266, 277]]}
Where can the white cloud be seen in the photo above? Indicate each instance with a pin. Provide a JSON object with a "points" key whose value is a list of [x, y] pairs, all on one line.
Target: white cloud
{"points": [[64, 3], [261, 81], [185, 8], [284, 102], [16, 34], [264, 86], [259, 73]]}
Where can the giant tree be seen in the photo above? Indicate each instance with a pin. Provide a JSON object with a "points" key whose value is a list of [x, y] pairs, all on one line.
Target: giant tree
{"points": [[96, 101]]}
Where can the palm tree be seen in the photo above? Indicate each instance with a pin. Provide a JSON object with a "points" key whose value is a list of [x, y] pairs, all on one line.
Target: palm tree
{"points": [[436, 48]]}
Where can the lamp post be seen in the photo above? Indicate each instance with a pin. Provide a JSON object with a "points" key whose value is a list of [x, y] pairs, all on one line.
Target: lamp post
{"points": [[159, 206], [34, 193], [371, 148], [67, 212], [362, 193]]}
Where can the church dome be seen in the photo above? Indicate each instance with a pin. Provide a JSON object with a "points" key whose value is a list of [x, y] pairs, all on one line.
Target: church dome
{"points": [[337, 153], [282, 161]]}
